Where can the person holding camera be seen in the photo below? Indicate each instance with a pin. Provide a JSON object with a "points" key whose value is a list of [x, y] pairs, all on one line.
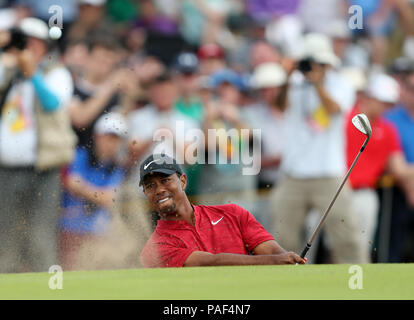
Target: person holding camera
{"points": [[313, 157], [36, 140]]}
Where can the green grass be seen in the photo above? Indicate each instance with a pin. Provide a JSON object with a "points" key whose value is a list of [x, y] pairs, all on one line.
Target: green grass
{"points": [[380, 281]]}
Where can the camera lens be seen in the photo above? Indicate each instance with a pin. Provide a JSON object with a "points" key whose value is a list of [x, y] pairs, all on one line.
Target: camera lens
{"points": [[305, 65]]}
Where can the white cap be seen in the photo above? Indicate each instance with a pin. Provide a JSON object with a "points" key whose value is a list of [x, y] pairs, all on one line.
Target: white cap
{"points": [[318, 47], [111, 123], [268, 75], [36, 28], [96, 3], [383, 88]]}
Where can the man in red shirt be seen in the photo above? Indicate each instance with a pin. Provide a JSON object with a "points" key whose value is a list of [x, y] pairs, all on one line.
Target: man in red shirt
{"points": [[190, 235], [382, 154]]}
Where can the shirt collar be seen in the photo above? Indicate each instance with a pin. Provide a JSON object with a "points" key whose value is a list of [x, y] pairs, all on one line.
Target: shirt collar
{"points": [[178, 224]]}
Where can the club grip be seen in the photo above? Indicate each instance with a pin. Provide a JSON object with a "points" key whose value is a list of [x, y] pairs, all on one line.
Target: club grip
{"points": [[305, 250]]}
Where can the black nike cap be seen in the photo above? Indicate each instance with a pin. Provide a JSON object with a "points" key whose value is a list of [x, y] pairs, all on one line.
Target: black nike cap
{"points": [[158, 163]]}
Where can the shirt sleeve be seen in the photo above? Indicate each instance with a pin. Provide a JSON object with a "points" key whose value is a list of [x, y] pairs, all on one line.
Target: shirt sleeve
{"points": [[53, 90], [171, 253], [78, 166], [341, 91], [60, 82], [253, 233], [394, 139]]}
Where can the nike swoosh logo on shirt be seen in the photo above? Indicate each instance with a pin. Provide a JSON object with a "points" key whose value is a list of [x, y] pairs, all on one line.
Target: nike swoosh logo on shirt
{"points": [[215, 222]]}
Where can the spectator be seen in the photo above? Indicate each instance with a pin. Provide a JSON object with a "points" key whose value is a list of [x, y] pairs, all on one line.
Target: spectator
{"points": [[263, 52], [162, 37], [189, 103], [97, 92], [91, 182], [224, 180], [318, 101], [384, 152], [11, 13], [237, 42], [187, 77], [156, 120], [202, 20], [269, 81], [122, 11], [212, 58], [90, 19], [319, 15], [151, 20], [402, 116], [35, 142], [75, 58], [379, 18]]}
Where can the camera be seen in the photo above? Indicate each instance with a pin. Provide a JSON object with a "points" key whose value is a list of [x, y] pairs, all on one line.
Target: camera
{"points": [[18, 40], [305, 65]]}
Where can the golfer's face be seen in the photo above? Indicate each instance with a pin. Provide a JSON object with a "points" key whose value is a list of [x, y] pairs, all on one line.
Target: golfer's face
{"points": [[165, 192]]}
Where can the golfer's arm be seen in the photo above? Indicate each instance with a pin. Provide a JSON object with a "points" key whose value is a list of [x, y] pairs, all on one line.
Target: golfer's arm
{"points": [[201, 258], [268, 247]]}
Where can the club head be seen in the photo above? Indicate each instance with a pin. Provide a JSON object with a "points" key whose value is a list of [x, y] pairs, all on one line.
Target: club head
{"points": [[361, 122]]}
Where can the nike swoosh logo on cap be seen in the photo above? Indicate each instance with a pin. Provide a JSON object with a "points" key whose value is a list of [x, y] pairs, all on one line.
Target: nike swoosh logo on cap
{"points": [[148, 164], [215, 222]]}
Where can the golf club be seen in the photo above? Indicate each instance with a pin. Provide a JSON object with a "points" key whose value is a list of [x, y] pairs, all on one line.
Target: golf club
{"points": [[361, 122]]}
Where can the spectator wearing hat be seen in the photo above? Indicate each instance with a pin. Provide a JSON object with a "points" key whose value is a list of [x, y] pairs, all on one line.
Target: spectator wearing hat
{"points": [[186, 69], [91, 183], [384, 152], [313, 158], [402, 116], [269, 82], [36, 140], [212, 58], [189, 103], [224, 181]]}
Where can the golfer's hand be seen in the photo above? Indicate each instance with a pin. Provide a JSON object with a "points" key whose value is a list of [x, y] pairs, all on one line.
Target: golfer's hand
{"points": [[289, 258]]}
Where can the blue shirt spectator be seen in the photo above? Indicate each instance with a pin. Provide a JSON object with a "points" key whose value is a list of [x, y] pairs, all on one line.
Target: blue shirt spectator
{"points": [[81, 215], [405, 124]]}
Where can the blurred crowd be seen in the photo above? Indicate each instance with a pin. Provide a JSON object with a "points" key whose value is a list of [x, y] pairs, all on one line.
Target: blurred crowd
{"points": [[78, 114]]}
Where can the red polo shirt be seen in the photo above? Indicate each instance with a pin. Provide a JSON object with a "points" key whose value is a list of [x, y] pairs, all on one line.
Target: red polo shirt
{"points": [[373, 161], [218, 229]]}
